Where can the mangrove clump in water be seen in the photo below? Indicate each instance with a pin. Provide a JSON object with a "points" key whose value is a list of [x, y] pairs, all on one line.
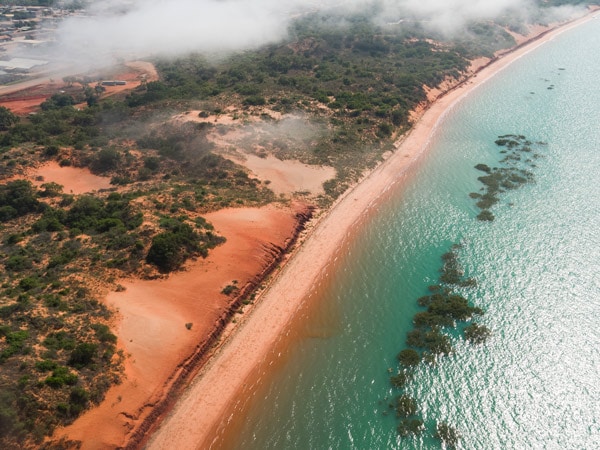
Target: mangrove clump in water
{"points": [[445, 308], [513, 173], [447, 434]]}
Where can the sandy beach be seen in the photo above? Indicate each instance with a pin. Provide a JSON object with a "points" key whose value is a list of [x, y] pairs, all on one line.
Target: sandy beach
{"points": [[201, 412]]}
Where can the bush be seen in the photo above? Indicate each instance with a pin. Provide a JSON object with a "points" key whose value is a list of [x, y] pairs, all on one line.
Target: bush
{"points": [[166, 252], [105, 160], [7, 118], [59, 340], [45, 365], [18, 198], [255, 100], [82, 355], [18, 263], [104, 334], [9, 419], [79, 397], [58, 101], [29, 283], [152, 163], [51, 150], [170, 249], [15, 341]]}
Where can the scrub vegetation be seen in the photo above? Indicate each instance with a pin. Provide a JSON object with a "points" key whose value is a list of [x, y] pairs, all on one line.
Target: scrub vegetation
{"points": [[358, 81]]}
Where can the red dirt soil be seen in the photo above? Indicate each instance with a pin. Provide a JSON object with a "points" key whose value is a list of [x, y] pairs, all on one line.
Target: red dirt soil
{"points": [[27, 100], [152, 318], [73, 179]]}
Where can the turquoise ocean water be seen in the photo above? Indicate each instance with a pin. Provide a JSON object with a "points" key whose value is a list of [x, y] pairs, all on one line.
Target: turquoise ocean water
{"points": [[536, 383]]}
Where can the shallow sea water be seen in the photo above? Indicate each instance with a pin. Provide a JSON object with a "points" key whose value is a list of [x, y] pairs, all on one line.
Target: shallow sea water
{"points": [[536, 383]]}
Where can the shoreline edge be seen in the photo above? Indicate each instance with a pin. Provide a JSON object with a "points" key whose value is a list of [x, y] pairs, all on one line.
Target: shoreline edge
{"points": [[206, 403]]}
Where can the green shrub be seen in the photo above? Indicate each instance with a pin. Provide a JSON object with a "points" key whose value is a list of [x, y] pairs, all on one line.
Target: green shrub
{"points": [[51, 150], [18, 198], [45, 365], [18, 263], [29, 283], [79, 397], [255, 100], [105, 160], [104, 334], [15, 343], [60, 340], [82, 355], [7, 118], [170, 249]]}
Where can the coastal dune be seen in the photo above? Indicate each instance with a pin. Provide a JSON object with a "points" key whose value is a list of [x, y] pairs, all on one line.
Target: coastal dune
{"points": [[197, 417]]}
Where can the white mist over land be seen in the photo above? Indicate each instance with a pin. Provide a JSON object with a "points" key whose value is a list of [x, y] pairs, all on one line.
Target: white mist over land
{"points": [[169, 28]]}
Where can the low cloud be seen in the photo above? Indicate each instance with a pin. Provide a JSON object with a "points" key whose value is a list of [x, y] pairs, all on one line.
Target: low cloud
{"points": [[164, 28]]}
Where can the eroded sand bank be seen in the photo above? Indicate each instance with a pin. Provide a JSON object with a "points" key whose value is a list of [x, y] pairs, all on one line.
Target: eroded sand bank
{"points": [[152, 316]]}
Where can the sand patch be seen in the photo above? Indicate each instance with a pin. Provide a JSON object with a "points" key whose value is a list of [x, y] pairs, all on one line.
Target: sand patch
{"points": [[289, 176], [152, 318], [231, 116], [246, 137], [25, 105], [73, 179]]}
